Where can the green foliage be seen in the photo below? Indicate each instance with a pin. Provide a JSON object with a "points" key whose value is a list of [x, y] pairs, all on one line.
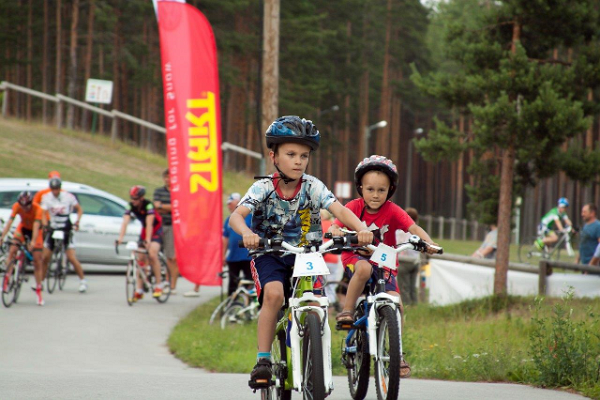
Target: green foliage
{"points": [[518, 94], [565, 351]]}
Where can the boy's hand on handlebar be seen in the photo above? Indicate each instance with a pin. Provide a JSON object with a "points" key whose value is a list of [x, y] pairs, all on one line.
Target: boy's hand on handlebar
{"points": [[335, 231], [251, 240], [365, 237]]}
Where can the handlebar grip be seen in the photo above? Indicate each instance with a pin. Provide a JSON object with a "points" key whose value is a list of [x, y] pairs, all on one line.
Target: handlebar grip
{"points": [[241, 244], [261, 243], [352, 239]]}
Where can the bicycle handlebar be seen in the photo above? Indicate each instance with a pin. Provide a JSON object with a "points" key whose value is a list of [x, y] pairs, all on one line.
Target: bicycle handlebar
{"points": [[278, 245], [414, 243]]}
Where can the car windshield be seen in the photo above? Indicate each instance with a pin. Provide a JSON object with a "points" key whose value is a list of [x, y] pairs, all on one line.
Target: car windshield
{"points": [[7, 199], [96, 205]]}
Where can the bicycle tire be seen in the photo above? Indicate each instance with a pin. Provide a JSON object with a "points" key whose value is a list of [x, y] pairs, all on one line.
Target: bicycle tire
{"points": [[165, 275], [230, 316], [280, 366], [130, 283], [530, 254], [313, 377], [267, 393], [219, 310], [51, 275], [360, 366], [63, 270], [387, 365], [20, 277], [8, 295]]}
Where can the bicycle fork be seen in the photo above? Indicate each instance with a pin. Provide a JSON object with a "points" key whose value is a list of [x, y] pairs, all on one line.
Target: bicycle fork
{"points": [[372, 325], [295, 337]]}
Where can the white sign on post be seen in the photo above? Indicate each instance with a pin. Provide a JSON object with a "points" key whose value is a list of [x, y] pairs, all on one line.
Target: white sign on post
{"points": [[343, 189], [98, 91]]}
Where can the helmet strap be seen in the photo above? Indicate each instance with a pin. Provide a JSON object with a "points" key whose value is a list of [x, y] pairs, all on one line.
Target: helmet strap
{"points": [[283, 176]]}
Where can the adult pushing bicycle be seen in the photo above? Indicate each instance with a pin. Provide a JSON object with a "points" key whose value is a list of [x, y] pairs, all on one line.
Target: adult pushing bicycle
{"points": [[376, 330], [301, 350]]}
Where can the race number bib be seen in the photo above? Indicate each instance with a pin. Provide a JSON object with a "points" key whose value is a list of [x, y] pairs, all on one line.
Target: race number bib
{"points": [[384, 256], [310, 264]]}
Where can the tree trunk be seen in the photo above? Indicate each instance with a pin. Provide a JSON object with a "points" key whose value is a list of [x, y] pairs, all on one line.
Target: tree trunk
{"points": [[270, 67], [29, 56], [57, 82], [460, 172], [88, 56], [45, 63], [73, 63], [382, 136]]}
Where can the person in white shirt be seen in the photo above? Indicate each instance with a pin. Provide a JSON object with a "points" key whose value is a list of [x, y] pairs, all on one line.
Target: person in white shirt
{"points": [[60, 205]]}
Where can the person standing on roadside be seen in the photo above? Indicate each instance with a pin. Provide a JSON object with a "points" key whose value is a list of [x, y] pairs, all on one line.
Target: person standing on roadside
{"points": [[236, 258], [590, 234], [162, 204]]}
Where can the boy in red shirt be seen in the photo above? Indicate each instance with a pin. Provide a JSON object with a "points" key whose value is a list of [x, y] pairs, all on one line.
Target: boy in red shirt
{"points": [[376, 179]]}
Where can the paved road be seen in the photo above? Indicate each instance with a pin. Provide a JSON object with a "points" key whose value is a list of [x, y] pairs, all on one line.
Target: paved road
{"points": [[94, 346]]}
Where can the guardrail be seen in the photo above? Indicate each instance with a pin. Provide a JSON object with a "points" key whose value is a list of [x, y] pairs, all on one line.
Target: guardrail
{"points": [[547, 266], [115, 115]]}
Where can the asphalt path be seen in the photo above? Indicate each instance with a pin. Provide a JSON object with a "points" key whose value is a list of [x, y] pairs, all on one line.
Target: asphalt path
{"points": [[95, 346]]}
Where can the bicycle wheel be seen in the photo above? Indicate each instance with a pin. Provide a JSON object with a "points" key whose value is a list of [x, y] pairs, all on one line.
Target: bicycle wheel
{"points": [[8, 296], [219, 310], [387, 365], [165, 281], [52, 274], [358, 365], [313, 377], [530, 254], [130, 283], [20, 277], [233, 316], [267, 393], [280, 366], [63, 270]]}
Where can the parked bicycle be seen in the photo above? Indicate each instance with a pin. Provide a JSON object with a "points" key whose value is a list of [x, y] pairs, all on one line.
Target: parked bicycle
{"points": [[377, 329], [15, 274], [530, 253], [238, 308], [59, 265], [301, 350], [136, 272]]}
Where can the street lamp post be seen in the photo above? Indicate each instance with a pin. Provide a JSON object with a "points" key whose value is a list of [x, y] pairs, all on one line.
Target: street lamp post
{"points": [[368, 129], [409, 163]]}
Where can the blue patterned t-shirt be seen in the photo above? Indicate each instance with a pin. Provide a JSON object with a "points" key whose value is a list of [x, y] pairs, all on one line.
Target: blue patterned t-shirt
{"points": [[294, 218]]}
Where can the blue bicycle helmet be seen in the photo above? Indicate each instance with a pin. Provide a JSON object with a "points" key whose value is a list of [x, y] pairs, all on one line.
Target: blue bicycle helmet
{"points": [[563, 202], [292, 128]]}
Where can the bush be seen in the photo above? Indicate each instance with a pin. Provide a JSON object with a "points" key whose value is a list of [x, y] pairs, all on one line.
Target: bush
{"points": [[565, 352]]}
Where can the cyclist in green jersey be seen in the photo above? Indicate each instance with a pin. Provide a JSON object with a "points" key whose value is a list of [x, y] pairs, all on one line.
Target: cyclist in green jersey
{"points": [[554, 220]]}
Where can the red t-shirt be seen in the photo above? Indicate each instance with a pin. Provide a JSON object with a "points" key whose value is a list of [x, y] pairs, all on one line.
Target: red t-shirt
{"points": [[384, 223]]}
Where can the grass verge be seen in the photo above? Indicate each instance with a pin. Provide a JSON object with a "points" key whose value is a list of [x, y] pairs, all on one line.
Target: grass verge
{"points": [[480, 340]]}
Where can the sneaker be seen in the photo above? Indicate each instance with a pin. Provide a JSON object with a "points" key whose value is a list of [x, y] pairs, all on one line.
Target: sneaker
{"points": [[404, 368], [34, 287], [191, 293], [137, 296], [157, 292], [539, 244], [38, 295], [82, 286], [262, 374], [173, 291]]}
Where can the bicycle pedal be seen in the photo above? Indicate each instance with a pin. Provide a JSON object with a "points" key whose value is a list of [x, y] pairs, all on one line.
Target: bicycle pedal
{"points": [[344, 326], [260, 383]]}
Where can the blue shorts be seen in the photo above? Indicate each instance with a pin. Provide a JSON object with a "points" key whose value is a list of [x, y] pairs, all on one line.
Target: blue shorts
{"points": [[391, 285], [270, 268]]}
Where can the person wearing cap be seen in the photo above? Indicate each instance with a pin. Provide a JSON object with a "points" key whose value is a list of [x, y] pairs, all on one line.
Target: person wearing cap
{"points": [[37, 198], [28, 228], [59, 205], [555, 220], [236, 258], [162, 204]]}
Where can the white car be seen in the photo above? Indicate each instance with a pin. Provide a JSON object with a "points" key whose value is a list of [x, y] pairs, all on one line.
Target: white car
{"points": [[99, 225]]}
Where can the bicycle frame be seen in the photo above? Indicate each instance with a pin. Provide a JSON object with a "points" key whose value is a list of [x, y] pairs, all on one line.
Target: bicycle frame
{"points": [[294, 315]]}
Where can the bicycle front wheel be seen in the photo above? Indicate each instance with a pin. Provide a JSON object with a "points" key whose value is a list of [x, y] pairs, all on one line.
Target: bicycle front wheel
{"points": [[165, 276], [387, 365], [63, 270], [233, 316], [52, 274], [280, 366], [313, 377], [130, 283], [9, 284], [530, 254]]}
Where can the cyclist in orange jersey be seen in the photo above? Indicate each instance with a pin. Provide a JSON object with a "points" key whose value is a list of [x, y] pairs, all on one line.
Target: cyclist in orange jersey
{"points": [[31, 219]]}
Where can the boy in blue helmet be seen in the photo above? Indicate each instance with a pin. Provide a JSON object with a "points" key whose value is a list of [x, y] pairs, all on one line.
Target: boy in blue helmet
{"points": [[554, 220], [286, 203]]}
